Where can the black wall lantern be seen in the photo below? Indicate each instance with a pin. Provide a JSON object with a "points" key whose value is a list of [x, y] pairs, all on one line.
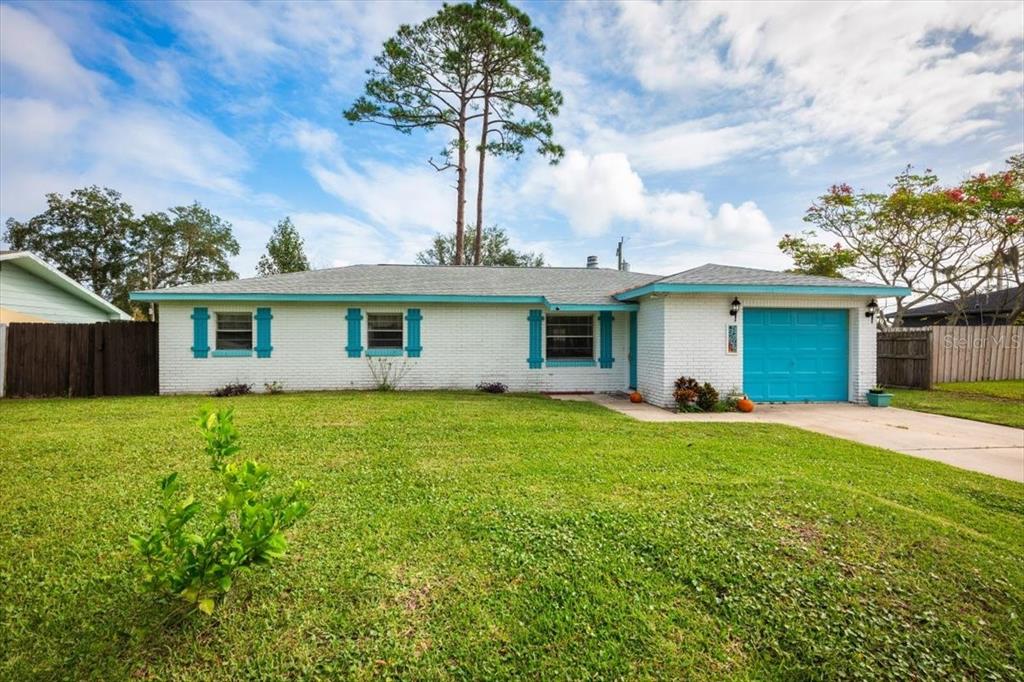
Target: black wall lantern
{"points": [[734, 308], [872, 309]]}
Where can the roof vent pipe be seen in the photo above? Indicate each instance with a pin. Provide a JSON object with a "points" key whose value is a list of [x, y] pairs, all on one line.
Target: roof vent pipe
{"points": [[591, 262]]}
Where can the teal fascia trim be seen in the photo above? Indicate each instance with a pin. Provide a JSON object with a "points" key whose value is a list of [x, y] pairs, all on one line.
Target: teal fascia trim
{"points": [[795, 289], [605, 318], [573, 307], [355, 333], [571, 363], [232, 353], [632, 349], [536, 359], [200, 332], [413, 317], [383, 352], [157, 296], [263, 318]]}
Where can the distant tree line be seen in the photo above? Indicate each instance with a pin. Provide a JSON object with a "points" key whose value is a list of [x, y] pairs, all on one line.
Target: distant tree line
{"points": [[94, 236]]}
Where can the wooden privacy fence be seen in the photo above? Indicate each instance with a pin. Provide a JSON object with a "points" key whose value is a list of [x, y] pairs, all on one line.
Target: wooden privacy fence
{"points": [[105, 358], [920, 357], [905, 358]]}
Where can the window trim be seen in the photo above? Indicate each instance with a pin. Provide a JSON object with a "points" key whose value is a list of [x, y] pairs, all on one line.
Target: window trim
{"points": [[219, 351], [400, 331], [575, 360]]}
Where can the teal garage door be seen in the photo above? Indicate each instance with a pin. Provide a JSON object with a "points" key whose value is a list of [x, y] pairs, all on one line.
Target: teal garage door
{"points": [[795, 354]]}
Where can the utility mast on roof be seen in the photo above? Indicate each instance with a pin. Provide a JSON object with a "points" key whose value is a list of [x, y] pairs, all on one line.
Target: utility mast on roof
{"points": [[623, 265]]}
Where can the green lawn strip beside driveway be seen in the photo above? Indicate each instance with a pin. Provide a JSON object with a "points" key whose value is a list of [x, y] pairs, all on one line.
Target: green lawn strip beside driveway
{"points": [[1008, 389], [472, 536], [996, 402]]}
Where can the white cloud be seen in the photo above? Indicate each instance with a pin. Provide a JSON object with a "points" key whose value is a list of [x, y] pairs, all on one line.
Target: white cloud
{"points": [[339, 38], [166, 145], [800, 81], [838, 69], [594, 191], [60, 131], [314, 140], [346, 241], [408, 200], [159, 77], [691, 144], [239, 33], [36, 56]]}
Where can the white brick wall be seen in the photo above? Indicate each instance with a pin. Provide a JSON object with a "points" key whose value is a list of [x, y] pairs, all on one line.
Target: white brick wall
{"points": [[651, 381], [462, 345], [685, 334]]}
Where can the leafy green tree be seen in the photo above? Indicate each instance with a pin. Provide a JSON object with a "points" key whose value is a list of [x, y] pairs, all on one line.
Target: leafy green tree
{"points": [[94, 237], [943, 242], [86, 235], [426, 77], [185, 245], [812, 258], [285, 252], [517, 99], [495, 250]]}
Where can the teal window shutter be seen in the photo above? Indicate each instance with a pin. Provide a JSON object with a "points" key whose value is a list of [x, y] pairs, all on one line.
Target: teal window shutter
{"points": [[536, 359], [200, 332], [263, 318], [606, 360], [413, 318], [355, 334]]}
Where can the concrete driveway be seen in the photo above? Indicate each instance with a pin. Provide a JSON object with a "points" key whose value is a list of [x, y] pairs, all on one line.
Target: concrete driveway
{"points": [[988, 448]]}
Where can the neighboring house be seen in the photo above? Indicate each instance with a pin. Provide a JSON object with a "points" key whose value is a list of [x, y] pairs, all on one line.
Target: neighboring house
{"points": [[792, 338], [33, 291], [991, 307]]}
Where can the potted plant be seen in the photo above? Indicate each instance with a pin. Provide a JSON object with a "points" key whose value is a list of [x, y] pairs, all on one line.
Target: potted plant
{"points": [[877, 397]]}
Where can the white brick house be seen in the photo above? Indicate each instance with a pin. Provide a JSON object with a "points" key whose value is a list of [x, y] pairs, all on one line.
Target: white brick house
{"points": [[775, 336]]}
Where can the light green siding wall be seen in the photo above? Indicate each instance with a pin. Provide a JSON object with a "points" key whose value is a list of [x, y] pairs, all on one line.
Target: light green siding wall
{"points": [[25, 293]]}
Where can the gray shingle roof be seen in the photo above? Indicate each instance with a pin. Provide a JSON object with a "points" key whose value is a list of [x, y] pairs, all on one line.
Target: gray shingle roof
{"points": [[557, 285], [999, 301], [712, 273], [581, 286]]}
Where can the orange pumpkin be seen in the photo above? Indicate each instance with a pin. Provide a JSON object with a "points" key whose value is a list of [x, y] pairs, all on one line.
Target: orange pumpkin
{"points": [[635, 397], [745, 404]]}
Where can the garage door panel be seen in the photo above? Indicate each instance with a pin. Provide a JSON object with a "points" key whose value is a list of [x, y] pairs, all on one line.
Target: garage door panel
{"points": [[806, 318], [795, 354]]}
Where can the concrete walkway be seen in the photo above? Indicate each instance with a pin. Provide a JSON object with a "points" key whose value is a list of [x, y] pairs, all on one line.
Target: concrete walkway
{"points": [[988, 448]]}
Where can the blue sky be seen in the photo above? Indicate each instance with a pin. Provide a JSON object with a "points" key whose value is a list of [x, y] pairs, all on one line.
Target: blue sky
{"points": [[700, 132]]}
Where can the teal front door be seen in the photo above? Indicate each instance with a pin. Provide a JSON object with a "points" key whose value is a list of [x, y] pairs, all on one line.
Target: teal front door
{"points": [[795, 354], [632, 349]]}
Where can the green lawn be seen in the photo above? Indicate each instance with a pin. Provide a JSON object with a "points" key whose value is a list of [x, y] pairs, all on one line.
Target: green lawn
{"points": [[997, 402], [1010, 389], [476, 536]]}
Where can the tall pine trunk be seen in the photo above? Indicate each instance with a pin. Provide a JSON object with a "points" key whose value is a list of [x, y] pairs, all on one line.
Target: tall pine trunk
{"points": [[478, 247], [460, 188]]}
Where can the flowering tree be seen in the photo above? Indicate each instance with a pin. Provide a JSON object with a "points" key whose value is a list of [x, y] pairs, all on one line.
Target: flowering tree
{"points": [[812, 258], [944, 243]]}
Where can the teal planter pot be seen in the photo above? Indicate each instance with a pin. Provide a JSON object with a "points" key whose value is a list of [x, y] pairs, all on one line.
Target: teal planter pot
{"points": [[879, 399]]}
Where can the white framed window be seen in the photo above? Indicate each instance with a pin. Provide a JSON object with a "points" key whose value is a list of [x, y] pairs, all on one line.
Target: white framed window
{"points": [[570, 337], [234, 331], [732, 339], [384, 330]]}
